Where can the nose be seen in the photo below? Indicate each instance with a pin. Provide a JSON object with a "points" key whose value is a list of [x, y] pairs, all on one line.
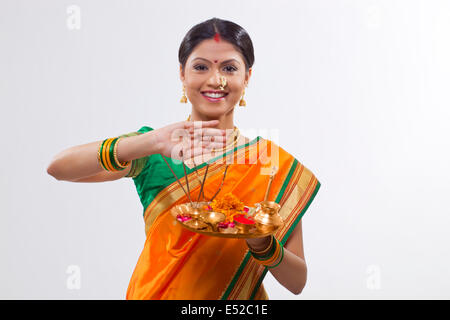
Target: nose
{"points": [[214, 79]]}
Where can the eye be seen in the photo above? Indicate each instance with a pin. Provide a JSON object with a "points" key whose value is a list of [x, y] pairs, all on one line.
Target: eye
{"points": [[230, 68], [200, 67]]}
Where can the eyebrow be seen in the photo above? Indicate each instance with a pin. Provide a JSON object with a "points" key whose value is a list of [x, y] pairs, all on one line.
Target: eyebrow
{"points": [[229, 60]]}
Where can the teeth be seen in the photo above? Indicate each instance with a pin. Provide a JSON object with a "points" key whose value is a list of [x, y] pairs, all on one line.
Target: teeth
{"points": [[214, 95]]}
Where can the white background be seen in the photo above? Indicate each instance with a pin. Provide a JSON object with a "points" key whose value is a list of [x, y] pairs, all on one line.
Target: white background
{"points": [[357, 89]]}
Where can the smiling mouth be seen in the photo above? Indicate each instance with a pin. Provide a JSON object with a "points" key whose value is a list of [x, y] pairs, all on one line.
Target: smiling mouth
{"points": [[214, 94]]}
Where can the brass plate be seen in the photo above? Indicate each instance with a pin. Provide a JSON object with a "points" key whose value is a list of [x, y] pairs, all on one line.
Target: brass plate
{"points": [[186, 208]]}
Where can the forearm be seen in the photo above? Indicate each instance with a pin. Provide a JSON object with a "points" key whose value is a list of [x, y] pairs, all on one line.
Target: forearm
{"points": [[291, 272], [81, 161], [137, 147]]}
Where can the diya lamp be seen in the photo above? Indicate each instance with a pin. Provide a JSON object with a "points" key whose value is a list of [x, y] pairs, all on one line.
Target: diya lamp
{"points": [[212, 218], [184, 214], [196, 224], [196, 211]]}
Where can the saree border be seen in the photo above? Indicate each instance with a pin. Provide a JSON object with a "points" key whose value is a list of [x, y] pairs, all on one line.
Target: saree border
{"points": [[286, 236], [227, 292]]}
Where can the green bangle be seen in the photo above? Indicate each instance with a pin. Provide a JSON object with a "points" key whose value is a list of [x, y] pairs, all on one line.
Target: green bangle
{"points": [[281, 259], [267, 255]]}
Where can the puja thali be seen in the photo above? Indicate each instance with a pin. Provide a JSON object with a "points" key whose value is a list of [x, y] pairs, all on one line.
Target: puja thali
{"points": [[252, 222], [226, 216]]}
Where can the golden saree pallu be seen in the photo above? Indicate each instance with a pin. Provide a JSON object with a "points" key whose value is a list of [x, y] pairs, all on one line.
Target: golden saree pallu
{"points": [[176, 263], [107, 155]]}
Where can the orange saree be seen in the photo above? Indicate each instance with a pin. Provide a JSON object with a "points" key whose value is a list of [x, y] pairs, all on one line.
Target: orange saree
{"points": [[176, 263]]}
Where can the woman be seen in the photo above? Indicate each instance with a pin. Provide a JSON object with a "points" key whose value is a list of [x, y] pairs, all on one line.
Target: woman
{"points": [[216, 58]]}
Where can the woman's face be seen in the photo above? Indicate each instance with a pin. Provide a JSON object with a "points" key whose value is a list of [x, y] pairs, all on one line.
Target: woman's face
{"points": [[209, 61]]}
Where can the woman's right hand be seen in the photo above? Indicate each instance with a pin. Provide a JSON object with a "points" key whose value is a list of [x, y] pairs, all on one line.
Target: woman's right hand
{"points": [[187, 139]]}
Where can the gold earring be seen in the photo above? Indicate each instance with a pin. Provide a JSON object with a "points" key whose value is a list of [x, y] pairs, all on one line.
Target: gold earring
{"points": [[242, 102], [183, 97]]}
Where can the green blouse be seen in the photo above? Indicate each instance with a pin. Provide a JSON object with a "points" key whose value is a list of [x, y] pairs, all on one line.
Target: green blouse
{"points": [[150, 174]]}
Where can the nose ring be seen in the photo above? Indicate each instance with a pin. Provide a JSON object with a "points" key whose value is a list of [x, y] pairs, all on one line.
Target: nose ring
{"points": [[223, 83]]}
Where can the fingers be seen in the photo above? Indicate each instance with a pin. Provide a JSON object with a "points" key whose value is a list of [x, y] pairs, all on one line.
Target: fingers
{"points": [[200, 124], [204, 133], [204, 128], [195, 152], [201, 134], [207, 136], [205, 144], [214, 139], [198, 133], [187, 152]]}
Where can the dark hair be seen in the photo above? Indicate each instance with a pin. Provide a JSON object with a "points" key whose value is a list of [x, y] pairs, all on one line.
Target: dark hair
{"points": [[227, 30]]}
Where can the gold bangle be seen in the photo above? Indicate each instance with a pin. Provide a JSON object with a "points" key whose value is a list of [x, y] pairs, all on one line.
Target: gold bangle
{"points": [[106, 154], [116, 160]]}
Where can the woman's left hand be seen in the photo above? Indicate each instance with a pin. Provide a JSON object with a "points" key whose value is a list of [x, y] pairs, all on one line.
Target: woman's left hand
{"points": [[258, 244]]}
